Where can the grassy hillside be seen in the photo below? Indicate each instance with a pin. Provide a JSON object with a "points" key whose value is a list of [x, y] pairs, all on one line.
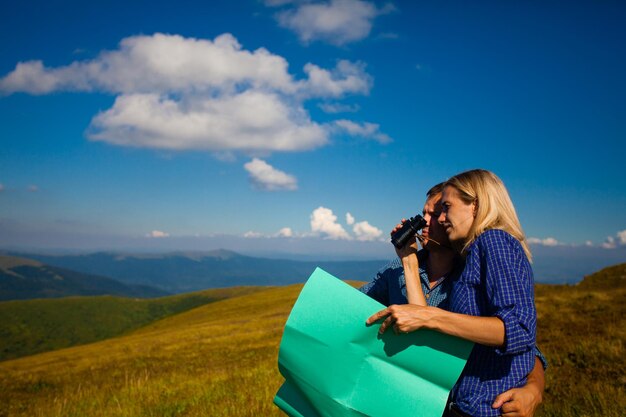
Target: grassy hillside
{"points": [[220, 360], [582, 331], [215, 360], [33, 326]]}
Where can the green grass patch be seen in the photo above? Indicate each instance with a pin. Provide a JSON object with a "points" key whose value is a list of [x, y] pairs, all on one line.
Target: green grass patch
{"points": [[33, 326]]}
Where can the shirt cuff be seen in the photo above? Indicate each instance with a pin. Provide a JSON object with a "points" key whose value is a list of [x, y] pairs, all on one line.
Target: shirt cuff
{"points": [[539, 355], [517, 336]]}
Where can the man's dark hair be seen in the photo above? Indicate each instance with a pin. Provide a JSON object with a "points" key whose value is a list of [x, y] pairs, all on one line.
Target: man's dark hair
{"points": [[436, 189]]}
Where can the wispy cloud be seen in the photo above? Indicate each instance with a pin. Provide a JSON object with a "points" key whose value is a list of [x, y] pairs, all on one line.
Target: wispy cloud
{"points": [[365, 130], [339, 108], [337, 22], [33, 188], [157, 234], [266, 177], [549, 241]]}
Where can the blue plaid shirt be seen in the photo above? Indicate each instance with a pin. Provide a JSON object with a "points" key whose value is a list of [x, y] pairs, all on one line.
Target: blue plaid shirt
{"points": [[498, 282], [389, 285]]}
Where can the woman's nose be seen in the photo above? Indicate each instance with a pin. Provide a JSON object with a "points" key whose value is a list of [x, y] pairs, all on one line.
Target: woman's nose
{"points": [[442, 218]]}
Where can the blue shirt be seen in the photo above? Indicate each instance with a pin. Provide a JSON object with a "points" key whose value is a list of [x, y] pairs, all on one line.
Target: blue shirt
{"points": [[497, 282], [389, 285]]}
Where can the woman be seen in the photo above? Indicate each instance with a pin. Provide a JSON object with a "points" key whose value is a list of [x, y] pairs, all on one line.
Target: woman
{"points": [[492, 302]]}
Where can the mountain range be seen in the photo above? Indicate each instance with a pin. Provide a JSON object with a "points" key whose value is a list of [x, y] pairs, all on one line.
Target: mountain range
{"points": [[25, 278], [180, 272]]}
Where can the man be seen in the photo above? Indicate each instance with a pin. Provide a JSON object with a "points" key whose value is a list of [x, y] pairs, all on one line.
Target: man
{"points": [[437, 265]]}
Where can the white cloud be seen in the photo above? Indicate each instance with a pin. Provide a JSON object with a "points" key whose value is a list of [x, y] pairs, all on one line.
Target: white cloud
{"points": [[157, 234], [337, 22], [609, 243], [324, 222], [339, 108], [285, 232], [158, 63], [180, 93], [33, 188], [347, 77], [613, 242], [266, 177], [1, 187], [589, 243], [365, 130], [366, 232], [250, 121], [549, 241], [349, 219], [282, 233]]}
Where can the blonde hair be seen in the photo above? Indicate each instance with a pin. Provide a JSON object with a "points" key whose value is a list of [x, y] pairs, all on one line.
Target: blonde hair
{"points": [[494, 208]]}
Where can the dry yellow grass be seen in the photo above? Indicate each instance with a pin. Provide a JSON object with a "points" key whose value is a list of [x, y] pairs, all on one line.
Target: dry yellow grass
{"points": [[216, 360]]}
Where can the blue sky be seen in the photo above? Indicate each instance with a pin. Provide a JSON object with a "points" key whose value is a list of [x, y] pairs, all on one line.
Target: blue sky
{"points": [[259, 125]]}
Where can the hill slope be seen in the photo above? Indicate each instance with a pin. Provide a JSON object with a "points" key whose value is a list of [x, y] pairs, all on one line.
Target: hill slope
{"points": [[22, 278], [220, 360], [33, 326]]}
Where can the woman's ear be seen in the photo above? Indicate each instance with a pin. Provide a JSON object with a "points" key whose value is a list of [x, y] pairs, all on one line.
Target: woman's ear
{"points": [[475, 208]]}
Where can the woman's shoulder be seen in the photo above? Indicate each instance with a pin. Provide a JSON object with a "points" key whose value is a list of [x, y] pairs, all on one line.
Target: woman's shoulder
{"points": [[497, 239]]}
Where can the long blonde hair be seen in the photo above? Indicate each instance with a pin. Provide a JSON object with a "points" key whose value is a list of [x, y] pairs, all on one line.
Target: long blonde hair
{"points": [[494, 208]]}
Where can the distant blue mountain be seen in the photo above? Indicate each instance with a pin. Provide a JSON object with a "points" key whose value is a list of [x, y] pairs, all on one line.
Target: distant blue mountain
{"points": [[185, 272], [22, 279]]}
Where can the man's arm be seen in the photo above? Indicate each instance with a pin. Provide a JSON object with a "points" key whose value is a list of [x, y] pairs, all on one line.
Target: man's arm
{"points": [[523, 402]]}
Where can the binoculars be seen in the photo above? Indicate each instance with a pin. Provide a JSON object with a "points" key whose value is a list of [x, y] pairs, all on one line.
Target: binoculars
{"points": [[408, 230]]}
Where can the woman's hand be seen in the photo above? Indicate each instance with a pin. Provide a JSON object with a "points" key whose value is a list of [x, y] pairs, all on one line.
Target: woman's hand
{"points": [[488, 331], [410, 264], [404, 318]]}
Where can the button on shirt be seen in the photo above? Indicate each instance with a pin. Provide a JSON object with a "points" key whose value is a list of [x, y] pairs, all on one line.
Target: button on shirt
{"points": [[389, 285]]}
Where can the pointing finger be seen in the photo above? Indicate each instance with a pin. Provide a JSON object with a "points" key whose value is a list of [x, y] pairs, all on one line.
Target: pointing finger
{"points": [[377, 316]]}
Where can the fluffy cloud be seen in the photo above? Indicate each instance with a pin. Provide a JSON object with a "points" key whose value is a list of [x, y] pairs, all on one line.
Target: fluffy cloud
{"points": [[157, 234], [337, 22], [621, 237], [250, 121], [349, 219], [180, 93], [366, 232], [158, 63], [266, 177], [324, 222], [285, 232], [364, 130], [549, 241]]}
